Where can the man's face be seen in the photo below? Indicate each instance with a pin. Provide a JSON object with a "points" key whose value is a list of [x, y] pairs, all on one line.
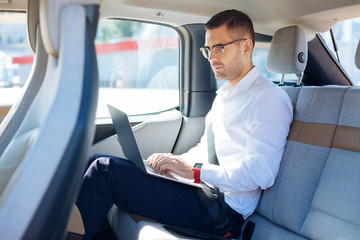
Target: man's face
{"points": [[230, 66]]}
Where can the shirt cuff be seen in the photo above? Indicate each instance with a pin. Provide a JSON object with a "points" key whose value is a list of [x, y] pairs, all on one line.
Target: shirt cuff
{"points": [[210, 173]]}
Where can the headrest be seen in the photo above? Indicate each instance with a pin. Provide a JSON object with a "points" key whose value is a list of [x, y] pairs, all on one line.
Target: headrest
{"points": [[32, 22], [357, 56], [50, 21], [288, 51]]}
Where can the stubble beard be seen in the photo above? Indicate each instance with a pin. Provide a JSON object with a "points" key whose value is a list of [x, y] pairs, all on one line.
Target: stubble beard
{"points": [[230, 73]]}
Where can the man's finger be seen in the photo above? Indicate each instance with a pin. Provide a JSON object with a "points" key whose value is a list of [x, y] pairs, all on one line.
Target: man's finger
{"points": [[155, 157], [159, 162], [151, 159]]}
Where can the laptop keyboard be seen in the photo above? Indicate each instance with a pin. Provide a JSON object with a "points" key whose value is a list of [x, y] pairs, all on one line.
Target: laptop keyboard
{"points": [[152, 170]]}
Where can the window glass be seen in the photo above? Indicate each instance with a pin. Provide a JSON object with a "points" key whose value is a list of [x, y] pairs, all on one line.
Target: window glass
{"points": [[138, 67], [347, 35], [260, 54], [15, 58]]}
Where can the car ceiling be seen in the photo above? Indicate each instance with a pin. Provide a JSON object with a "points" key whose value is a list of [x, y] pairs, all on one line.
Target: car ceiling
{"points": [[268, 16]]}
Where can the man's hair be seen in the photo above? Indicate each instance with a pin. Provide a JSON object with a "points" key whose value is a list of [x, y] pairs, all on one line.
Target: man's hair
{"points": [[233, 19]]}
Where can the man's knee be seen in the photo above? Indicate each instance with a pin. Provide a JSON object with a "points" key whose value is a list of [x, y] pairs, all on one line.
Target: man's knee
{"points": [[93, 157], [107, 166], [99, 164], [99, 161]]}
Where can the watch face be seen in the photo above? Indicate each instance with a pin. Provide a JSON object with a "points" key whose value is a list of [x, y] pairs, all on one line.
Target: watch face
{"points": [[198, 165]]}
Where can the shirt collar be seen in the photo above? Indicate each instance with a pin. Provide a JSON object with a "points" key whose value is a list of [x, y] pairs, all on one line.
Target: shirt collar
{"points": [[243, 85]]}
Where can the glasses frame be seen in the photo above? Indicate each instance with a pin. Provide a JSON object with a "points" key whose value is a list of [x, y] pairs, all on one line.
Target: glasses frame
{"points": [[219, 48]]}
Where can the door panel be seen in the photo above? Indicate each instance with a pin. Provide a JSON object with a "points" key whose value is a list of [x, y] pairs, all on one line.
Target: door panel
{"points": [[157, 134], [191, 131]]}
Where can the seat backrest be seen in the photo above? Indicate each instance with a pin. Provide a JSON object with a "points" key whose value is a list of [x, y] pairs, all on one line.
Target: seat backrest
{"points": [[316, 191], [288, 52], [357, 56], [40, 170], [17, 112]]}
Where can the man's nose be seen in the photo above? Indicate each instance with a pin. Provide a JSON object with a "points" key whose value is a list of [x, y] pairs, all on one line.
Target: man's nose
{"points": [[212, 56]]}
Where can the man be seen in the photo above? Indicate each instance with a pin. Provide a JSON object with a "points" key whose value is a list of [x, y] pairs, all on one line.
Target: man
{"points": [[249, 120]]}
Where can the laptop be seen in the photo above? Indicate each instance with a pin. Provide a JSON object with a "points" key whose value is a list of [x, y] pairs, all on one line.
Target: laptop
{"points": [[131, 150]]}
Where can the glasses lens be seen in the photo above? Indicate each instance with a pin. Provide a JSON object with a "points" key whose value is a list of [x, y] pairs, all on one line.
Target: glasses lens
{"points": [[219, 51], [205, 52]]}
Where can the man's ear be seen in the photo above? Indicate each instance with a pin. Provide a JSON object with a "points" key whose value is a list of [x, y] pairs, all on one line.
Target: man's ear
{"points": [[248, 46]]}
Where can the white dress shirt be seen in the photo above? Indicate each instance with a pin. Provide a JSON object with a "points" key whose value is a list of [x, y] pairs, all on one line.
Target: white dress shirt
{"points": [[250, 122]]}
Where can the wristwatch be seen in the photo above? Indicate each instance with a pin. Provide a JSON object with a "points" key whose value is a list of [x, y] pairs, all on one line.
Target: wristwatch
{"points": [[196, 172]]}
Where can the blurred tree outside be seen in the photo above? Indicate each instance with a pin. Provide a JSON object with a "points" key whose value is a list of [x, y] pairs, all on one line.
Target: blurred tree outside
{"points": [[114, 30]]}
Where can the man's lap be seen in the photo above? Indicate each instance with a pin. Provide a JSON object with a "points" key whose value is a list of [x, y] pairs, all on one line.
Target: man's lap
{"points": [[156, 198]]}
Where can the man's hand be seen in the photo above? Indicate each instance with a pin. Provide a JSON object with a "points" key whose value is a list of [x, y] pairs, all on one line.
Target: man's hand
{"points": [[169, 162]]}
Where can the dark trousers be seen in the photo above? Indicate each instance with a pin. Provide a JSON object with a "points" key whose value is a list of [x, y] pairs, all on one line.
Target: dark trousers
{"points": [[111, 180]]}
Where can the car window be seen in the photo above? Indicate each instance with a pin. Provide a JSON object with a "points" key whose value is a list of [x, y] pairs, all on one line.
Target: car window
{"points": [[15, 58], [347, 36], [260, 54], [138, 67]]}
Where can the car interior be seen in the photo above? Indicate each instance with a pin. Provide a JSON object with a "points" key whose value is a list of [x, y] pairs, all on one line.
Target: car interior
{"points": [[48, 133]]}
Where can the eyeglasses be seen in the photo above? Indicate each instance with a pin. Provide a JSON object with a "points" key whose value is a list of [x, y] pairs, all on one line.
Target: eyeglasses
{"points": [[218, 49]]}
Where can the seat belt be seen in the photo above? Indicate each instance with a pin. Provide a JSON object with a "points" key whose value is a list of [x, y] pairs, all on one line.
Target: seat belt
{"points": [[223, 222], [212, 158]]}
